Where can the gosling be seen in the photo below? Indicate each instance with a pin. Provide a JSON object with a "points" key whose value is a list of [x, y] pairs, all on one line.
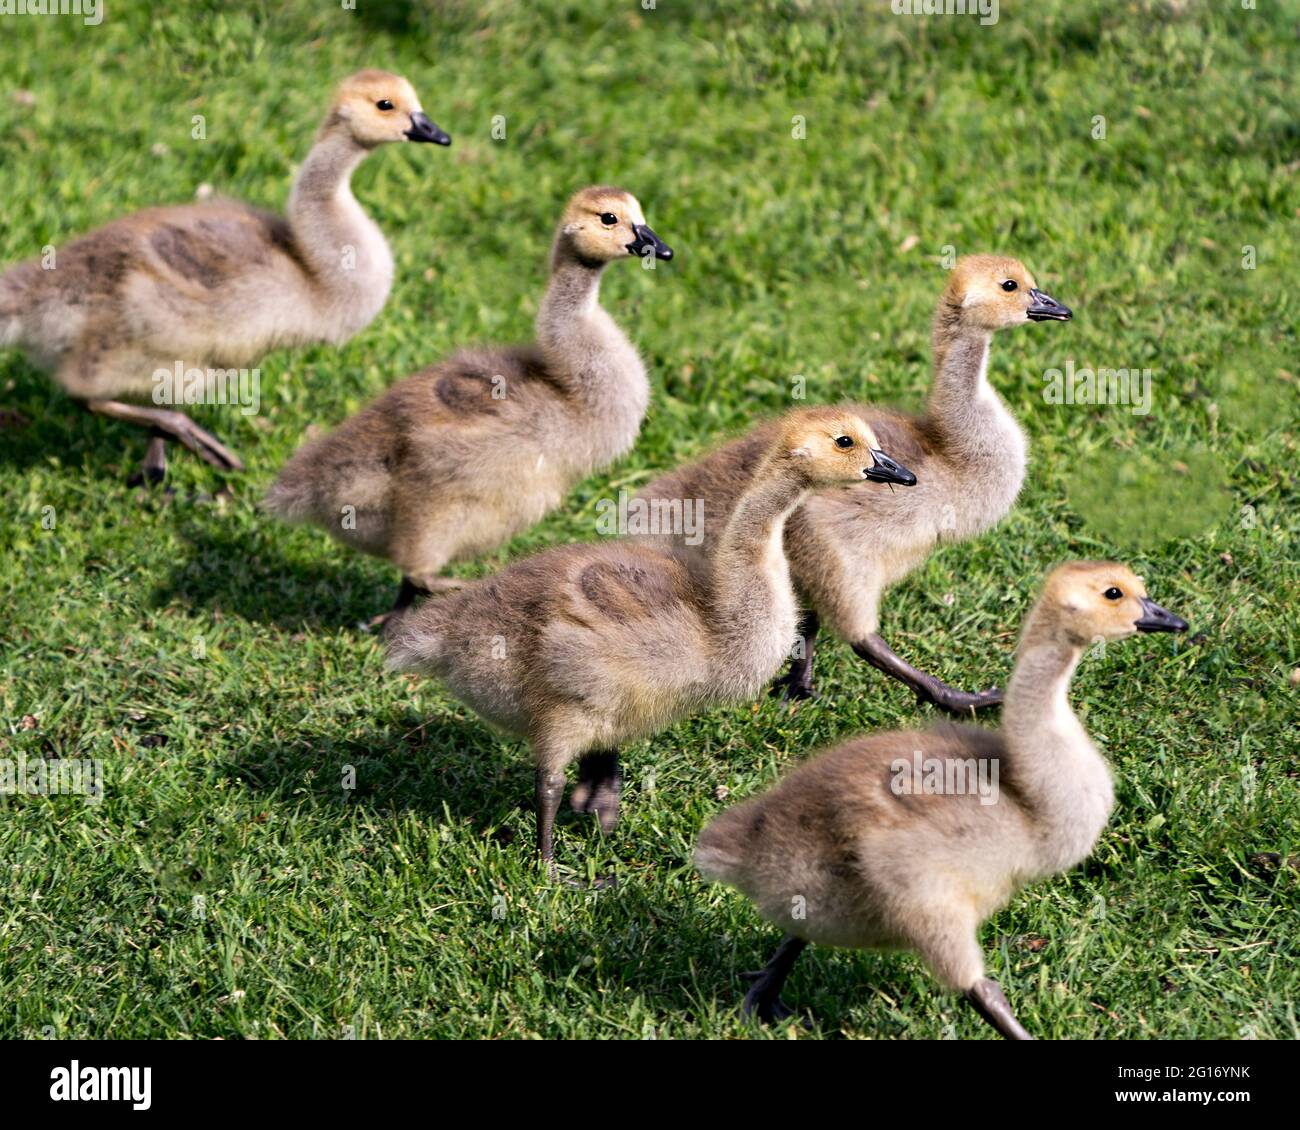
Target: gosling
{"points": [[911, 839], [454, 461], [217, 285], [582, 648], [847, 547]]}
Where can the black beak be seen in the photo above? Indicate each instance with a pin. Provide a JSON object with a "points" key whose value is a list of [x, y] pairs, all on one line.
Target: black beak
{"points": [[424, 130], [645, 240], [1157, 619], [1045, 308], [885, 470]]}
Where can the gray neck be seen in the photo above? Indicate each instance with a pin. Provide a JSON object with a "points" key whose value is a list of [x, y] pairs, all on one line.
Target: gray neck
{"points": [[962, 405], [750, 573], [570, 309], [1062, 780], [1037, 694], [323, 214], [588, 354]]}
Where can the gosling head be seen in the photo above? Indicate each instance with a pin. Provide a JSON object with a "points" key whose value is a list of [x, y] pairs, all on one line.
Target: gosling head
{"points": [[375, 107], [992, 292], [602, 224], [835, 447], [1091, 600]]}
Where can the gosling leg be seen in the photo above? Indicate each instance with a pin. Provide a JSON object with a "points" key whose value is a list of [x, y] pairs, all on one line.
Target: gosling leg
{"points": [[987, 999], [927, 688], [173, 425], [797, 682], [407, 592], [154, 468], [600, 784], [548, 791], [764, 997]]}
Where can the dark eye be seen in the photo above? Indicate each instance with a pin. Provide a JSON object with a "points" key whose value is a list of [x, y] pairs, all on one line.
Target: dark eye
{"points": [[1010, 284], [384, 104], [1112, 593], [843, 441], [608, 219]]}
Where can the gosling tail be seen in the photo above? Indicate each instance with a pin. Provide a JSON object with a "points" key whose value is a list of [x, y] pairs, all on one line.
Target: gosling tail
{"points": [[291, 498], [418, 642], [301, 491], [720, 851]]}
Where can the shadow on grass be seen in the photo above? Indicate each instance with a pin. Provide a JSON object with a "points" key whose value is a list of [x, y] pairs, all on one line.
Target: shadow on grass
{"points": [[242, 570], [648, 949], [440, 766], [453, 770], [446, 768], [38, 420], [670, 957], [446, 18]]}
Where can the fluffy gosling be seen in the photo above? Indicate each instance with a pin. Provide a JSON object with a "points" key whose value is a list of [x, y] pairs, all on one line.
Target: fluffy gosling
{"points": [[582, 648], [872, 858], [847, 547], [455, 460], [216, 285]]}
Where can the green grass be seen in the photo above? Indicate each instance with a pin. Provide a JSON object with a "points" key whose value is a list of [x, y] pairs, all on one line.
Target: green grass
{"points": [[212, 659]]}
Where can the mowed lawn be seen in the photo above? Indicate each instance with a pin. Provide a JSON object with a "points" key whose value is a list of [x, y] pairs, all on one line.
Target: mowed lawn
{"points": [[229, 885]]}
